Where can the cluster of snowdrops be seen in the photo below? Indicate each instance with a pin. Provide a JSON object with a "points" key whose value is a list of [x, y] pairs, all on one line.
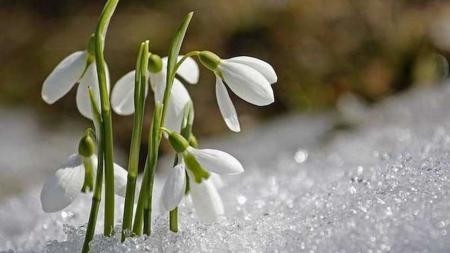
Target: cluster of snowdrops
{"points": [[195, 172]]}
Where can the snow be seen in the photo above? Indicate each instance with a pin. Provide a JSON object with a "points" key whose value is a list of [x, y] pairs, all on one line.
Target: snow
{"points": [[380, 183]]}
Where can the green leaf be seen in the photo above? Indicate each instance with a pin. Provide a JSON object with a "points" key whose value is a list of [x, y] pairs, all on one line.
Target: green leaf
{"points": [[177, 41]]}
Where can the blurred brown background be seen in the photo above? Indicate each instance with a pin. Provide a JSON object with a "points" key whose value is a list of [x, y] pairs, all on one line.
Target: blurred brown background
{"points": [[320, 49]]}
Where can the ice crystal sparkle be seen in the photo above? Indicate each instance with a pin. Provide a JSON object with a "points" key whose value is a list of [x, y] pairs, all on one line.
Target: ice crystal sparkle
{"points": [[383, 187]]}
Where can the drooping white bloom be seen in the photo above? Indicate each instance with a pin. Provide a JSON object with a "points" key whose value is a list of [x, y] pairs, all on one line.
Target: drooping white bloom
{"points": [[61, 189], [204, 195], [122, 97], [216, 161], [174, 188], [73, 69], [249, 78]]}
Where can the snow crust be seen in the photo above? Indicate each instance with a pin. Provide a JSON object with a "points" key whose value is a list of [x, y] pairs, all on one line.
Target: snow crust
{"points": [[380, 183]]}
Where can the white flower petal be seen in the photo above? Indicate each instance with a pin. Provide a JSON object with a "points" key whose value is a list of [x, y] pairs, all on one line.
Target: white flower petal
{"points": [[206, 200], [259, 65], [175, 111], [158, 83], [216, 161], [174, 188], [122, 96], [247, 83], [89, 79], [188, 70], [65, 75], [226, 106], [62, 188], [216, 179], [120, 180]]}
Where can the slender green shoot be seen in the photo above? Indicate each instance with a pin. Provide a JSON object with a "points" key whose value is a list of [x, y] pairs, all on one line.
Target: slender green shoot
{"points": [[133, 162]]}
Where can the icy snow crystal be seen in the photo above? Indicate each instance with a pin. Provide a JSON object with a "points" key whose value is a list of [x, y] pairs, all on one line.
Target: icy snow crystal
{"points": [[382, 185]]}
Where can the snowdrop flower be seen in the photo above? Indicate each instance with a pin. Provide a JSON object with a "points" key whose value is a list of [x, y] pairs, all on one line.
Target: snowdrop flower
{"points": [[79, 67], [75, 175], [122, 97], [198, 164], [248, 77]]}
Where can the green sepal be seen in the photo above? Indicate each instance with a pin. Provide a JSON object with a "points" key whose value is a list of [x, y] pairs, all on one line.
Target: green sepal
{"points": [[196, 169], [209, 59], [155, 63], [177, 141], [87, 145], [88, 185]]}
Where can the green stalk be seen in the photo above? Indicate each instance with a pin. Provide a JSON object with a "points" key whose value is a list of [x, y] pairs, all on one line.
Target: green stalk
{"points": [[144, 208], [186, 132], [133, 162], [102, 73], [96, 198], [173, 220], [97, 195]]}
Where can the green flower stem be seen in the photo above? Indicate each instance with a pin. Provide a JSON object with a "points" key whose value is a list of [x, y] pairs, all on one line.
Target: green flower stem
{"points": [[97, 195], [143, 209], [96, 198], [103, 79], [133, 162], [173, 220], [186, 132], [153, 159], [138, 216], [190, 54]]}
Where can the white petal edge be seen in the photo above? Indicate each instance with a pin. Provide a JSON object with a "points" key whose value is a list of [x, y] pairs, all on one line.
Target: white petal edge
{"points": [[226, 106], [217, 161], [206, 200], [158, 84], [247, 83], [120, 180], [174, 188], [259, 65], [63, 77], [89, 79], [175, 111], [217, 180], [188, 70], [122, 95], [61, 189]]}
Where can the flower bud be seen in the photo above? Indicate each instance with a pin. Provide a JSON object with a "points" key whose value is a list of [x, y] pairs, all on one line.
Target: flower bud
{"points": [[178, 142], [86, 148], [209, 59], [155, 63]]}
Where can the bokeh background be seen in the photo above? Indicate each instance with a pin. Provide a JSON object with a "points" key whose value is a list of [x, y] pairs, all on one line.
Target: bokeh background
{"points": [[320, 49]]}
